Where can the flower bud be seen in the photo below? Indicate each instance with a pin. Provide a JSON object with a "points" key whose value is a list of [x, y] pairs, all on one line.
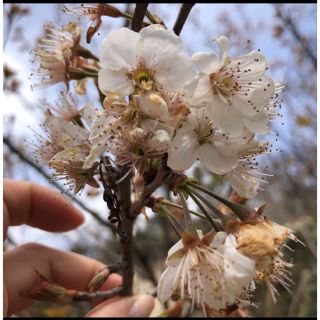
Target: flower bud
{"points": [[98, 280]]}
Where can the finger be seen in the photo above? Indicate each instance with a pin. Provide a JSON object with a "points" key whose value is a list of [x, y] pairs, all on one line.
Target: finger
{"points": [[124, 307], [70, 270], [38, 206]]}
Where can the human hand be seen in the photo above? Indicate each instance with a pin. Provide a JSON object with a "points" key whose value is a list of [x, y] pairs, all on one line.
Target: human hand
{"points": [[43, 208]]}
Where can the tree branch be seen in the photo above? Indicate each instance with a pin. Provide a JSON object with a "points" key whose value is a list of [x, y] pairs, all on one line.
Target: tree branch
{"points": [[182, 17], [127, 227], [105, 295], [125, 190], [139, 13], [287, 21]]}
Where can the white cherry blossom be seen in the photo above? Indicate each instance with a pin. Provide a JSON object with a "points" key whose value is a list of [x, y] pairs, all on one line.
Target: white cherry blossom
{"points": [[198, 139], [144, 60], [55, 54], [208, 270], [234, 90]]}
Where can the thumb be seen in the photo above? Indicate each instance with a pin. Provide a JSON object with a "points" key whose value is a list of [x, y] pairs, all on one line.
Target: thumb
{"points": [[140, 306]]}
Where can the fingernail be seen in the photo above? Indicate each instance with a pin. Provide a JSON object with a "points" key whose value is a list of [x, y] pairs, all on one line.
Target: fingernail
{"points": [[142, 307]]}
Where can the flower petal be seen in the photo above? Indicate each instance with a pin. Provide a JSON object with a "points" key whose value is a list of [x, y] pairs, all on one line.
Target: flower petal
{"points": [[153, 105], [160, 141], [261, 96], [88, 113], [258, 123], [219, 160], [207, 62], [239, 270], [181, 154], [254, 62], [223, 43], [120, 49], [225, 117], [244, 184], [198, 91], [158, 44], [167, 284], [171, 74], [114, 81]]}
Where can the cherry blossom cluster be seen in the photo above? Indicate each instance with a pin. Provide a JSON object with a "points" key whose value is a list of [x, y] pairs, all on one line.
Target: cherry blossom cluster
{"points": [[158, 103]]}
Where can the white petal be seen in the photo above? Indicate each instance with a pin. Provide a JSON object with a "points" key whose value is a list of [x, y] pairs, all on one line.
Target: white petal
{"points": [[223, 43], [176, 247], [93, 156], [151, 125], [261, 96], [88, 113], [158, 44], [245, 185], [225, 117], [254, 61], [114, 81], [167, 284], [218, 239], [172, 73], [120, 49], [198, 91], [102, 122], [181, 154], [239, 270], [160, 141], [153, 105], [207, 62], [258, 123], [175, 254], [218, 160]]}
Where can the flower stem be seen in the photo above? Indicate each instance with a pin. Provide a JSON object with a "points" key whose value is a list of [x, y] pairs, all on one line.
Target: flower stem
{"points": [[174, 205]]}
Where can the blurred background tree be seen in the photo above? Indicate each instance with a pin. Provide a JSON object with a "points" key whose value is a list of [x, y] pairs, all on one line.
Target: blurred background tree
{"points": [[286, 34]]}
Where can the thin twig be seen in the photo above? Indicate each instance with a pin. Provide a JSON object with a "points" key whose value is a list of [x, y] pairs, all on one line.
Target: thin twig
{"points": [[139, 13], [89, 296], [182, 17], [287, 21]]}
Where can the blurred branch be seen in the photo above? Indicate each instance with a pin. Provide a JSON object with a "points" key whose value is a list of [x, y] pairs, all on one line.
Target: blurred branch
{"points": [[139, 13], [288, 22], [182, 17]]}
